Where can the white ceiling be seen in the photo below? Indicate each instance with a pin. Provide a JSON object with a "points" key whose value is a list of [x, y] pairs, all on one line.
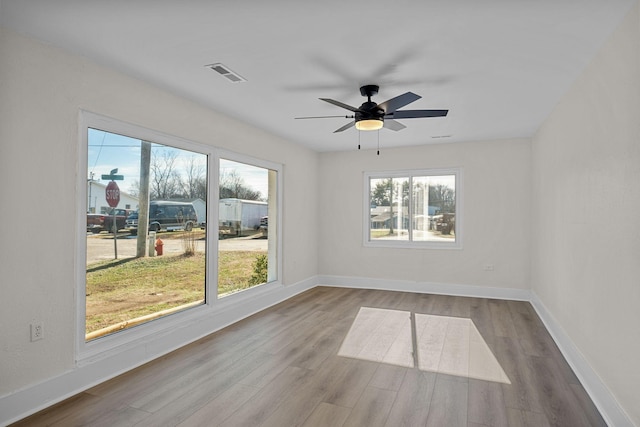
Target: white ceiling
{"points": [[499, 66]]}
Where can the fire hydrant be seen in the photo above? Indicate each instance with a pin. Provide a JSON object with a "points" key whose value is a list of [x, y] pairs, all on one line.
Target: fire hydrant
{"points": [[159, 245]]}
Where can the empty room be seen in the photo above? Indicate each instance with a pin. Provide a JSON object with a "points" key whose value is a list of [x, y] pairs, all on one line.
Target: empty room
{"points": [[410, 213]]}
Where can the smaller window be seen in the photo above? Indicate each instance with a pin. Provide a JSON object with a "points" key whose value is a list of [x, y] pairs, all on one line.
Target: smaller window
{"points": [[413, 209]]}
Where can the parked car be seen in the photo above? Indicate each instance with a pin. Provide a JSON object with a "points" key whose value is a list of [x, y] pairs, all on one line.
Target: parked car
{"points": [[166, 215], [445, 223], [104, 222]]}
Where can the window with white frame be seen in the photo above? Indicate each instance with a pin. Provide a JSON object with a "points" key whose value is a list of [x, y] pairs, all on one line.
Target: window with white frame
{"points": [[152, 203], [416, 208], [247, 224], [145, 263]]}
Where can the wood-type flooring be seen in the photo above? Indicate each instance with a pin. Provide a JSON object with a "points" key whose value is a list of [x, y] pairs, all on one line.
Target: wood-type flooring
{"points": [[351, 357]]}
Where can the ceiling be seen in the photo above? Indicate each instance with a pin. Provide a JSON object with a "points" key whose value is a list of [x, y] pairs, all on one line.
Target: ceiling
{"points": [[499, 66]]}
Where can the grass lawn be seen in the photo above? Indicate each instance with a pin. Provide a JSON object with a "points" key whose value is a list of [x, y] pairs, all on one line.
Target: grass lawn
{"points": [[121, 290]]}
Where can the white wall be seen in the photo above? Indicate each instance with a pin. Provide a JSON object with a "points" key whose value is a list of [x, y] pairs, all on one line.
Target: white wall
{"points": [[42, 90], [495, 220], [586, 222]]}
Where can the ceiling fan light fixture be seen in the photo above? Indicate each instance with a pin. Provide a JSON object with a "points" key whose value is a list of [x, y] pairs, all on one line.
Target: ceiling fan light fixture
{"points": [[369, 124]]}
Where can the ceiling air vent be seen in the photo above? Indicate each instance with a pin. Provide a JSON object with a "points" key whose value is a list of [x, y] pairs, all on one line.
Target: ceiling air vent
{"points": [[226, 72]]}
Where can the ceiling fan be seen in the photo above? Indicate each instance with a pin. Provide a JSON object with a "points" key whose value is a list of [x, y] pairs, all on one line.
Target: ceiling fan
{"points": [[372, 116]]}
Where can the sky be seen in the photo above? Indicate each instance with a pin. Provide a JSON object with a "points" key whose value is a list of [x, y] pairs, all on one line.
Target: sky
{"points": [[108, 151]]}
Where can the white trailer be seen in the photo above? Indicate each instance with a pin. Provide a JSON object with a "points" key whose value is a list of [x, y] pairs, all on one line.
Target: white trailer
{"points": [[238, 217]]}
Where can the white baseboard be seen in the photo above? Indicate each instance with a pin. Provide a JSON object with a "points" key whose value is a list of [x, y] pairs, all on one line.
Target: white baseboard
{"points": [[602, 397], [425, 287], [27, 401]]}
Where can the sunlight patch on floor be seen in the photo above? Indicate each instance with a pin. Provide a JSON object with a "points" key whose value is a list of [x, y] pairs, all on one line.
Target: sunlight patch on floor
{"points": [[448, 345], [381, 336]]}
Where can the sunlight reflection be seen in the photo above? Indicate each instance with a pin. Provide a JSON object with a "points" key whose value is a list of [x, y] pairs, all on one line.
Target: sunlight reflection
{"points": [[448, 345], [381, 336]]}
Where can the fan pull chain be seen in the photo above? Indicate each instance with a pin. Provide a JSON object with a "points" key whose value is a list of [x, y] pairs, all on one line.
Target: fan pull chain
{"points": [[378, 142], [358, 140]]}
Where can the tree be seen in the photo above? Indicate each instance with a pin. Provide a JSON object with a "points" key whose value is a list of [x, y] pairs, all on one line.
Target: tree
{"points": [[443, 197], [391, 192], [134, 188], [165, 180], [195, 182], [232, 185], [380, 195]]}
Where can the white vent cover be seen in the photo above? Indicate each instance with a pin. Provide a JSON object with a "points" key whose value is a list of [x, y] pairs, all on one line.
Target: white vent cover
{"points": [[226, 72]]}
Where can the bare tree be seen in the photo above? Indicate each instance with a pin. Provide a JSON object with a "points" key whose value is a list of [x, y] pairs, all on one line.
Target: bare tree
{"points": [[444, 197], [134, 188], [195, 183], [232, 185], [165, 180]]}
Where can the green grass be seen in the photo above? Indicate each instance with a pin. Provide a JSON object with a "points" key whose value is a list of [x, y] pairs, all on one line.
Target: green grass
{"points": [[121, 290], [379, 233], [234, 270]]}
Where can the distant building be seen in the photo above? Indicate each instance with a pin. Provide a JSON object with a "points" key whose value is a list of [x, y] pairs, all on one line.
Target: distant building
{"points": [[381, 217], [97, 201]]}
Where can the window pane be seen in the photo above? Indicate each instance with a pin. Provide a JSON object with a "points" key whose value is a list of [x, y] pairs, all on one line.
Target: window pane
{"points": [[145, 243], [434, 207], [389, 201], [247, 226]]}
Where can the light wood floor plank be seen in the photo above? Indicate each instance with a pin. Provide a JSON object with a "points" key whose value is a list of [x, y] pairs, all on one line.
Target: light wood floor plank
{"points": [[519, 394], [326, 414], [351, 377], [559, 403], [298, 403], [486, 404], [389, 377], [449, 403], [501, 319], [372, 408], [180, 405], [221, 407], [266, 401], [480, 315], [520, 418], [411, 407]]}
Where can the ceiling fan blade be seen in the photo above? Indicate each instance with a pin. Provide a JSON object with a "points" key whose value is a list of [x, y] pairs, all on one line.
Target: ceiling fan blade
{"points": [[415, 114], [340, 104], [399, 101], [345, 127], [393, 125], [323, 117]]}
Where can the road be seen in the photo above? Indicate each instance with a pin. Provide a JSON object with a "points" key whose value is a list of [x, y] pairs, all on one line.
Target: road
{"points": [[100, 247]]}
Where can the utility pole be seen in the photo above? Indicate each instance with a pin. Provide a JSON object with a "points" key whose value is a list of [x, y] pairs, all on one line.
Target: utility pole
{"points": [[143, 198]]}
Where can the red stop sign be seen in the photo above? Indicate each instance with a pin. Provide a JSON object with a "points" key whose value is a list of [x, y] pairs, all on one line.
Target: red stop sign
{"points": [[112, 194]]}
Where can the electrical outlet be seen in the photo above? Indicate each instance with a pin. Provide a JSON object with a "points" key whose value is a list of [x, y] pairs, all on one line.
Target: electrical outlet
{"points": [[488, 267], [37, 332]]}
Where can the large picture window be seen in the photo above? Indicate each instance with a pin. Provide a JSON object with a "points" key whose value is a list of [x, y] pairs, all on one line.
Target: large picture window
{"points": [[413, 208], [145, 239]]}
